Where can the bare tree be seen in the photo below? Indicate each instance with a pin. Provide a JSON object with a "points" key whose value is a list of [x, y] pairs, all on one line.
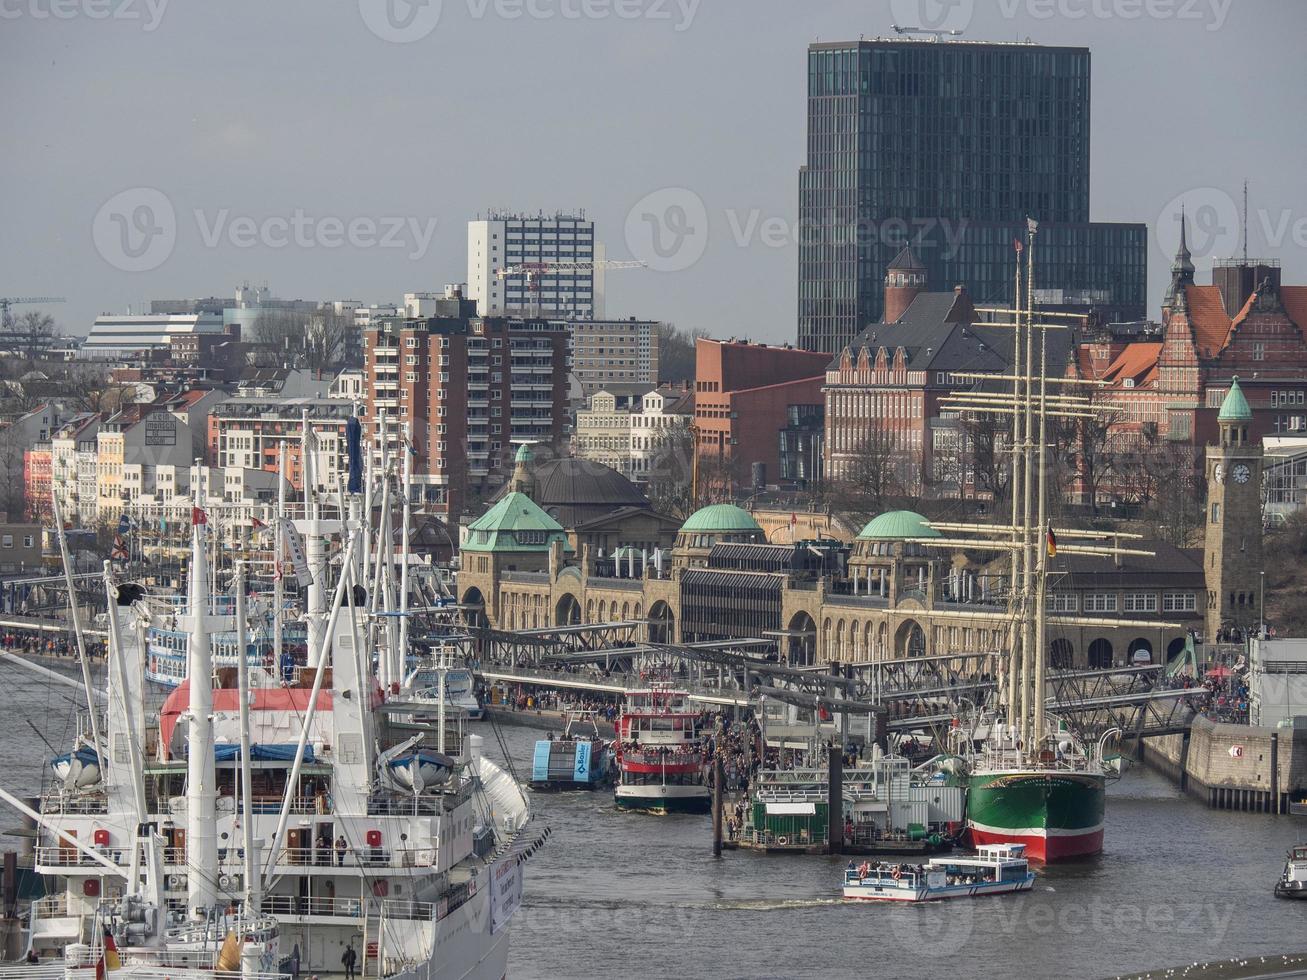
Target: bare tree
{"points": [[676, 353], [671, 469], [878, 474]]}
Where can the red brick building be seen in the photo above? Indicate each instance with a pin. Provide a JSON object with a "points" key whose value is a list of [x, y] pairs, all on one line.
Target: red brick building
{"points": [[1245, 324], [742, 396], [470, 389]]}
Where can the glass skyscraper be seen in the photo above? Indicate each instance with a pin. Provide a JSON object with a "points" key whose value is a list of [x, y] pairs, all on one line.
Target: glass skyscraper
{"points": [[949, 146]]}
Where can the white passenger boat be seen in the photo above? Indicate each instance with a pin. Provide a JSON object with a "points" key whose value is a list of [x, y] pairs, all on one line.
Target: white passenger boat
{"points": [[1293, 880], [995, 869]]}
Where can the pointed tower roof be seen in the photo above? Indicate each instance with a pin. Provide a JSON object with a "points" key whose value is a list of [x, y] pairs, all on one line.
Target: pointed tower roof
{"points": [[906, 261], [1235, 408], [1182, 270]]}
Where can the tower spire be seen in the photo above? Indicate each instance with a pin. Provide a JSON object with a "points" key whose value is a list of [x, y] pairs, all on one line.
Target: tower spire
{"points": [[1182, 269]]}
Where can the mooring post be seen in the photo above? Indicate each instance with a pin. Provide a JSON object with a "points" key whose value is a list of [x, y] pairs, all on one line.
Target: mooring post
{"points": [[717, 780], [1275, 773], [835, 798]]}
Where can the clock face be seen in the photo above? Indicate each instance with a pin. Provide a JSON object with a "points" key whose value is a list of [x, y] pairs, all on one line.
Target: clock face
{"points": [[1218, 473], [1241, 473]]}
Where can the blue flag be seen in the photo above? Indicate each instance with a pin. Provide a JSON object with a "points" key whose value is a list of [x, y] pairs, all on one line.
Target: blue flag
{"points": [[354, 445]]}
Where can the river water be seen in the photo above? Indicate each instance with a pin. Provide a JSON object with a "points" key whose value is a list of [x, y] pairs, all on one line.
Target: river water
{"points": [[616, 894]]}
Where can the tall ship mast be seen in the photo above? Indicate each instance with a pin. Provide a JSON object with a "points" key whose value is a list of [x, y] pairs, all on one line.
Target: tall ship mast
{"points": [[1032, 780]]}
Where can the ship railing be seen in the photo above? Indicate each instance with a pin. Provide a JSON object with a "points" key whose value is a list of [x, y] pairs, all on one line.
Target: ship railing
{"points": [[37, 971], [51, 906], [768, 838], [359, 857], [63, 803], [658, 759], [405, 804], [357, 908], [67, 856]]}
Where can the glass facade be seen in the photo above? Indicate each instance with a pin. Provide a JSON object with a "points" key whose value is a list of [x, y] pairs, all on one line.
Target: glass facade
{"points": [[949, 146]]}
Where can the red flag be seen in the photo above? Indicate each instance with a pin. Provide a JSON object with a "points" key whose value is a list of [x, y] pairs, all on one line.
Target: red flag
{"points": [[794, 519], [119, 548], [1016, 244], [258, 524], [198, 516]]}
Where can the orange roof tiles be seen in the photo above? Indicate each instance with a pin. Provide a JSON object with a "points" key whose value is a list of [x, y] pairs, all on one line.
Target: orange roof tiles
{"points": [[1207, 317], [1137, 362]]}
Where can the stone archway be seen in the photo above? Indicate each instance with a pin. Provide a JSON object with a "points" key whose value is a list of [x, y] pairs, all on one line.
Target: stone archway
{"points": [[909, 640], [474, 608], [662, 623], [1061, 654], [802, 642], [568, 611], [1100, 654], [1175, 648], [1139, 648]]}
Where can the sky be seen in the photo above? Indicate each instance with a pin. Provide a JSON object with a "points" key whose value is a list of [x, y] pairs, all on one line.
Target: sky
{"points": [[175, 148]]}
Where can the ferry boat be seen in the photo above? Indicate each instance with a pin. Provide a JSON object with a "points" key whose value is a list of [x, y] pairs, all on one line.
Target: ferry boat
{"points": [[580, 759], [995, 869], [660, 754], [1293, 880]]}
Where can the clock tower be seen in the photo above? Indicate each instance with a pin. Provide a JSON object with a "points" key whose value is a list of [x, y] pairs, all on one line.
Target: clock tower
{"points": [[1232, 555]]}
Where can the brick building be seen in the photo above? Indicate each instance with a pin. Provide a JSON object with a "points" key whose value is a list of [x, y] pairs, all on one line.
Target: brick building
{"points": [[470, 389], [249, 433], [742, 398]]}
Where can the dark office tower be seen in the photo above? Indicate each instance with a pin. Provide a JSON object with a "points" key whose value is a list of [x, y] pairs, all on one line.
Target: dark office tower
{"points": [[948, 146]]}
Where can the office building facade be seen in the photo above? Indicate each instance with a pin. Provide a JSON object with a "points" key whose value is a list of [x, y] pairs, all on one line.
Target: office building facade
{"points": [[949, 146]]}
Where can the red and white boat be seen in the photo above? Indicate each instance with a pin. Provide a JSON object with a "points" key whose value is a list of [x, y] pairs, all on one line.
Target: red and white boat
{"points": [[660, 754]]}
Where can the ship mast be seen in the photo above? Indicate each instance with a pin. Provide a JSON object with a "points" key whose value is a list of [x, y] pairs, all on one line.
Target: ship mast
{"points": [[201, 776], [247, 802]]}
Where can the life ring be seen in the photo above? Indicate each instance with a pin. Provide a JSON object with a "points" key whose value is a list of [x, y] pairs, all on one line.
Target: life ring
{"points": [[782, 841]]}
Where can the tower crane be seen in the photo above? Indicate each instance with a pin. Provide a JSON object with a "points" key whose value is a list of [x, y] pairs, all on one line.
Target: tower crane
{"points": [[535, 271], [7, 318]]}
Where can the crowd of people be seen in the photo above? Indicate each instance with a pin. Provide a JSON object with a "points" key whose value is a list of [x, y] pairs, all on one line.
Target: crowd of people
{"points": [[31, 643]]}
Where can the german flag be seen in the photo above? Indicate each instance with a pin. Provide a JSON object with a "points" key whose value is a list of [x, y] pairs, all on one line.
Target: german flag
{"points": [[1052, 542]]}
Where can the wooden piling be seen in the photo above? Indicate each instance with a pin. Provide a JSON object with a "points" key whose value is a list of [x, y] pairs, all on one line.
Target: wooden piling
{"points": [[717, 780], [835, 798]]}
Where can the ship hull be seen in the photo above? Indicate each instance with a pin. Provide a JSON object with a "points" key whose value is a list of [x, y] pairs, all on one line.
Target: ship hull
{"points": [[1057, 815], [664, 799]]}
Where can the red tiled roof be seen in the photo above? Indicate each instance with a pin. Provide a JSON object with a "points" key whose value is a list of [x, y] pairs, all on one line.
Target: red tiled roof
{"points": [[1207, 317], [1294, 299], [1136, 361]]}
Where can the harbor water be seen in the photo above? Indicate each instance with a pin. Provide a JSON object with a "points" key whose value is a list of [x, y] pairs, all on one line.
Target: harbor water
{"points": [[619, 894]]}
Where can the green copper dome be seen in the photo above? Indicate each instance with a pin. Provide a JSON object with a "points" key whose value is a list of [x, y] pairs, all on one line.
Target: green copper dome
{"points": [[897, 525], [524, 453], [1235, 408], [717, 518]]}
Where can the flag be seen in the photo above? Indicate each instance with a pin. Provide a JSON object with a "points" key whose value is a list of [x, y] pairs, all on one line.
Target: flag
{"points": [[794, 520], [257, 524], [354, 449], [1032, 225], [119, 552], [109, 961], [1016, 244], [198, 517], [1052, 543], [124, 524]]}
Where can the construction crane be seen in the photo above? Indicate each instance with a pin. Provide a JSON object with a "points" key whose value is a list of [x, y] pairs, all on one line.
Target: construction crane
{"points": [[937, 35], [535, 271], [32, 340]]}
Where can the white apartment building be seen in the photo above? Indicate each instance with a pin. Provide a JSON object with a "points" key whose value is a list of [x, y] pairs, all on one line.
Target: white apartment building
{"points": [[503, 241], [74, 459], [614, 352], [626, 426]]}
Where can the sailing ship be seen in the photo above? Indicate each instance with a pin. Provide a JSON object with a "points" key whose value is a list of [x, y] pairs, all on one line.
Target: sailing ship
{"points": [[1033, 781], [287, 812], [660, 756]]}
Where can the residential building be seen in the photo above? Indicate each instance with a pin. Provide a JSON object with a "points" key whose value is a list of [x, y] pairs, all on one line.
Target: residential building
{"points": [[949, 146], [131, 444], [37, 481], [614, 352], [468, 389], [504, 240], [248, 434], [25, 456], [350, 384], [74, 463], [141, 335], [627, 425], [20, 546], [742, 398]]}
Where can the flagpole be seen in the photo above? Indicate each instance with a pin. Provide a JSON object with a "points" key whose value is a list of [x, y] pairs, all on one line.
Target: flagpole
{"points": [[278, 560]]}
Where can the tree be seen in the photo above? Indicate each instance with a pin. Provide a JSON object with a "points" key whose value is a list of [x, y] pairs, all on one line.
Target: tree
{"points": [[39, 330], [671, 472], [317, 341], [676, 353], [878, 473], [986, 447]]}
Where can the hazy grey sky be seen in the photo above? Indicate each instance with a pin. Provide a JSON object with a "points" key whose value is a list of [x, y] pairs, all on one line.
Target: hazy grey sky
{"points": [[312, 144]]}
